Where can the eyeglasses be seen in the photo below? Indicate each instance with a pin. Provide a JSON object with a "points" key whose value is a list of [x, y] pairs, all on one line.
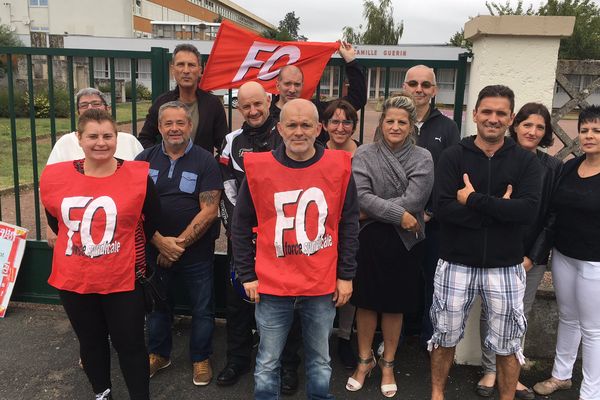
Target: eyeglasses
{"points": [[424, 84], [95, 104], [346, 123]]}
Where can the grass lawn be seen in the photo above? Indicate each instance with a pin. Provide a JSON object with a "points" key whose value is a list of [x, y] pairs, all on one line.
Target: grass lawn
{"points": [[42, 126]]}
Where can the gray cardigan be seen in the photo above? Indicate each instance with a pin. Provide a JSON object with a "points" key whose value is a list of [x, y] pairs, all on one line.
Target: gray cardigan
{"points": [[385, 194]]}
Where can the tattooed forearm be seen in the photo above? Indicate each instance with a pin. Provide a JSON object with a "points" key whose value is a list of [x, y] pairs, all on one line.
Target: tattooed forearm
{"points": [[198, 230], [209, 211], [210, 198]]}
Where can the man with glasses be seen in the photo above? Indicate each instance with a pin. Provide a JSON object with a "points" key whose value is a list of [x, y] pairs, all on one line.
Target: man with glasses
{"points": [[209, 125], [291, 80], [435, 132], [67, 147]]}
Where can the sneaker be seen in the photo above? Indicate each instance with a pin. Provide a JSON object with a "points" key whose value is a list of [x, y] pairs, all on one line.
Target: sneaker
{"points": [[157, 362], [202, 373], [551, 385], [104, 395]]}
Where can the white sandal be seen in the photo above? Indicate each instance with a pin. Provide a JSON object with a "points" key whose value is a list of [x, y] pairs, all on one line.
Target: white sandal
{"points": [[390, 389], [352, 384]]}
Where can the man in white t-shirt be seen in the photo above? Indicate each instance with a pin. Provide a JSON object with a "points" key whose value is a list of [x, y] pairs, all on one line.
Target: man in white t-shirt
{"points": [[67, 147]]}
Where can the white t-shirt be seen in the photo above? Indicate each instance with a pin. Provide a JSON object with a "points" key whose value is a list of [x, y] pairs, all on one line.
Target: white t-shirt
{"points": [[67, 148]]}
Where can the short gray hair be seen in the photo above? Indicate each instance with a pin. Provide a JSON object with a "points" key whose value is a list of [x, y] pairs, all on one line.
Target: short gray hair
{"points": [[90, 91], [176, 104]]}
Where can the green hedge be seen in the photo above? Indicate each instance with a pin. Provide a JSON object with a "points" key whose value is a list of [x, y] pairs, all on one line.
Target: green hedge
{"points": [[41, 103]]}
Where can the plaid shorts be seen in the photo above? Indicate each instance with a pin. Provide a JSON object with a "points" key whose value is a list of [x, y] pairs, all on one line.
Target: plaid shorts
{"points": [[501, 291]]}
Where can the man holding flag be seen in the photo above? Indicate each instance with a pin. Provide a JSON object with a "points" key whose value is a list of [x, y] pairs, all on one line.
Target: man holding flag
{"points": [[290, 69], [290, 82]]}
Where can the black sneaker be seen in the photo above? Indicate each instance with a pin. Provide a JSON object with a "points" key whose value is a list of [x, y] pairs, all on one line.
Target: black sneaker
{"points": [[289, 381], [231, 374], [346, 353]]}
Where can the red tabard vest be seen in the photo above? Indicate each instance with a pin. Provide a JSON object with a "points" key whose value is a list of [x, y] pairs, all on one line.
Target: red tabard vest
{"points": [[298, 213], [97, 218]]}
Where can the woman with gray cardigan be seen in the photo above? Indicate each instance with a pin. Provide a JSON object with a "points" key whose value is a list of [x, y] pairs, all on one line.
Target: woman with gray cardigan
{"points": [[394, 178]]}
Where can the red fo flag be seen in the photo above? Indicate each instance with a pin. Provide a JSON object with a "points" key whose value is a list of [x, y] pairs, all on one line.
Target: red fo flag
{"points": [[240, 56]]}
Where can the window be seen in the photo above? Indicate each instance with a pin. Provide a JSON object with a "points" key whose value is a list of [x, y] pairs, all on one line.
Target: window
{"points": [[33, 28], [445, 78], [396, 79], [101, 68], [144, 69], [38, 3], [329, 83], [122, 68]]}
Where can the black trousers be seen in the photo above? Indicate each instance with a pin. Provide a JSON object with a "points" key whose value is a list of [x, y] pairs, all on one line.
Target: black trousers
{"points": [[94, 318]]}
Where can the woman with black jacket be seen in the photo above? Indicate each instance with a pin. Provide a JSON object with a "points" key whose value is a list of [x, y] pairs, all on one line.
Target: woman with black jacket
{"points": [[573, 231], [531, 129]]}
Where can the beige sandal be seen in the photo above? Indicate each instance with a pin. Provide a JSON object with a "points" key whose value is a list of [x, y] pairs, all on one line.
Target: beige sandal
{"points": [[390, 389], [353, 385]]}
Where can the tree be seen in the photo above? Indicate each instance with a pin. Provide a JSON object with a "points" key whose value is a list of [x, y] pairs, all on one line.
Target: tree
{"points": [[276, 34], [380, 28], [458, 40], [8, 38], [584, 43], [352, 35], [506, 9], [290, 24], [287, 30]]}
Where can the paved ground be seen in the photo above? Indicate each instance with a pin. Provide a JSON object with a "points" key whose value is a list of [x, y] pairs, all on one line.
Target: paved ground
{"points": [[39, 361]]}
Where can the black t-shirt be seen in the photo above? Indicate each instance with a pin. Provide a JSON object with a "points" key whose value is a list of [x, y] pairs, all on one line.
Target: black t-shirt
{"points": [[577, 204]]}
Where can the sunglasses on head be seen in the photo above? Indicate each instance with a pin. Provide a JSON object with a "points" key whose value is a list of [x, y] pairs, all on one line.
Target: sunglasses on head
{"points": [[424, 84]]}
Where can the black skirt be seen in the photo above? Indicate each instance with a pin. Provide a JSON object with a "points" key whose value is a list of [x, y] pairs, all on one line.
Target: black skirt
{"points": [[388, 278]]}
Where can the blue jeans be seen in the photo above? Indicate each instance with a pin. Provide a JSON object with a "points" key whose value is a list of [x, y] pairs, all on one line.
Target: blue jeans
{"points": [[198, 279], [274, 316]]}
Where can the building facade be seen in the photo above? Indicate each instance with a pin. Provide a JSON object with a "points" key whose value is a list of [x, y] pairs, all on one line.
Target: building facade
{"points": [[173, 19]]}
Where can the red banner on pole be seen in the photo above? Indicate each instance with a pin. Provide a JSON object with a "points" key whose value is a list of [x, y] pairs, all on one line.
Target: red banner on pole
{"points": [[240, 56]]}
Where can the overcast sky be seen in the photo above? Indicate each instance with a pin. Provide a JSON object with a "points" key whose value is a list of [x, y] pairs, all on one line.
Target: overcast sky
{"points": [[425, 21]]}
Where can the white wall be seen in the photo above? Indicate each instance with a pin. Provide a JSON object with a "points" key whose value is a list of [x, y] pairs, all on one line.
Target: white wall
{"points": [[525, 64], [15, 13], [112, 18]]}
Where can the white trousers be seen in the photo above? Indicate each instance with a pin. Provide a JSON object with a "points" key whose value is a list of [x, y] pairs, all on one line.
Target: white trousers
{"points": [[577, 285]]}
